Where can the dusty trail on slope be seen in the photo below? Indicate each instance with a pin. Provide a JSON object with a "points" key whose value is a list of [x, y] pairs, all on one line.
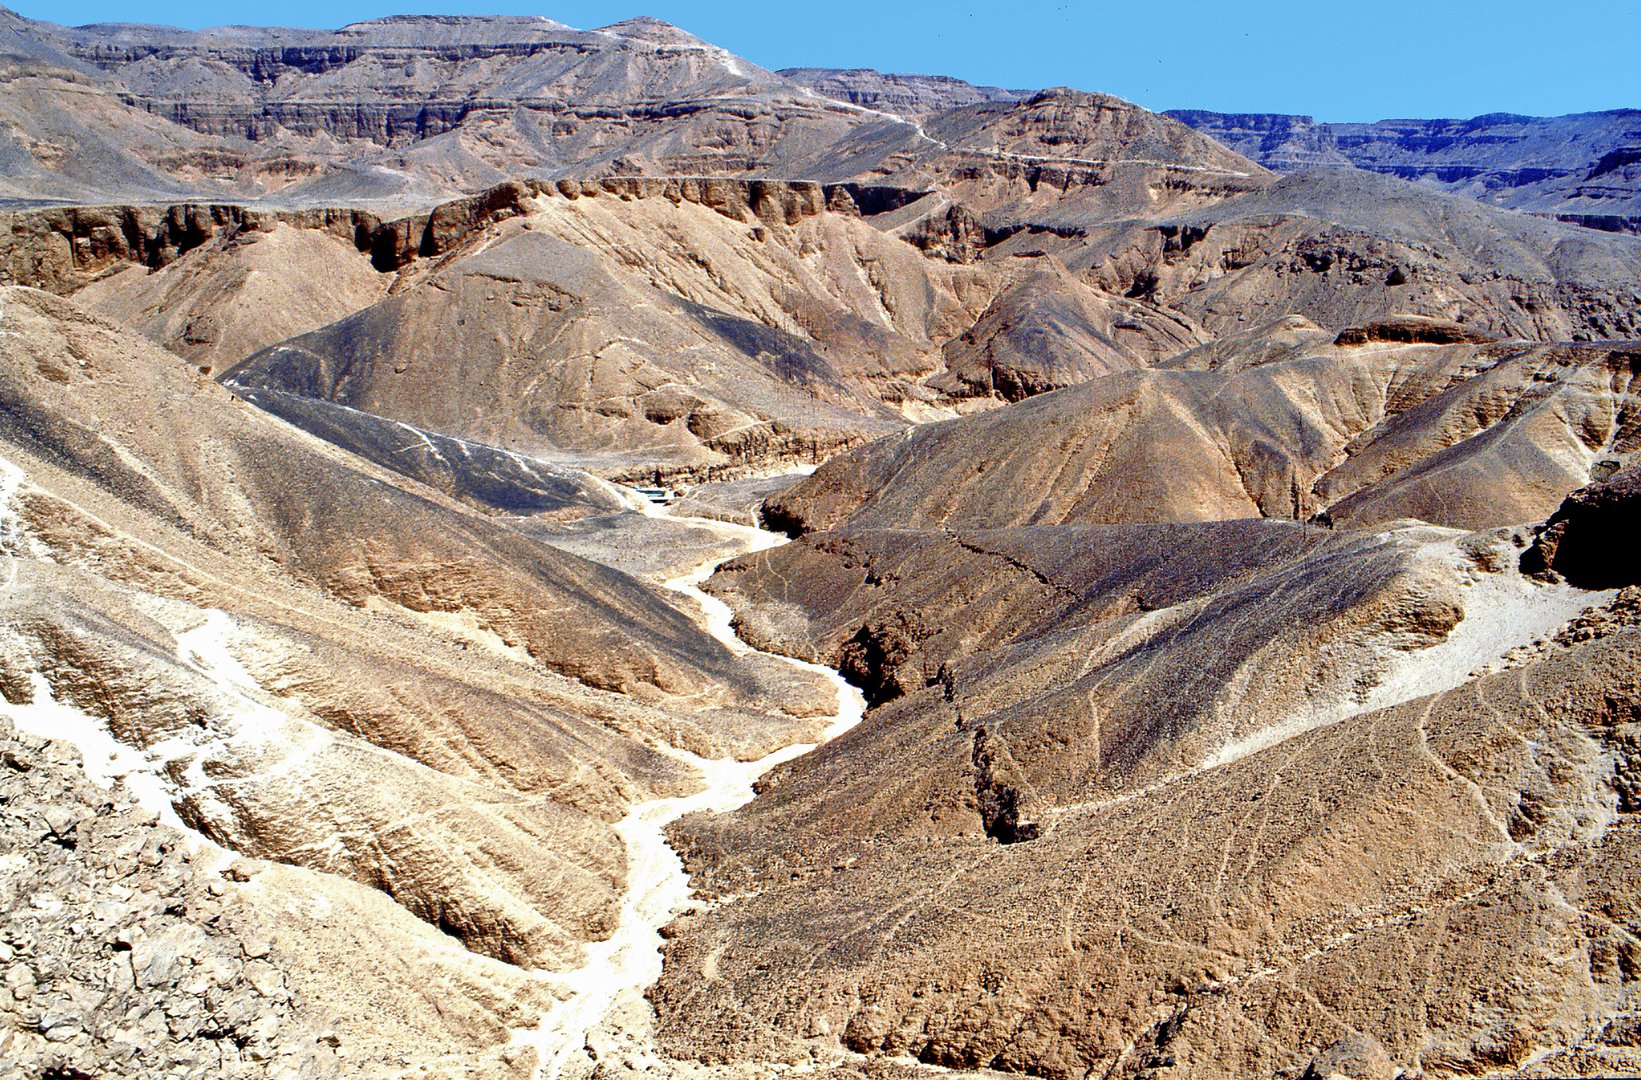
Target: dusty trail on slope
{"points": [[610, 985]]}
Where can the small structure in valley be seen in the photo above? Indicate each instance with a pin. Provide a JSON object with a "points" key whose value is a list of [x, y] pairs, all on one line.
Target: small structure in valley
{"points": [[658, 494]]}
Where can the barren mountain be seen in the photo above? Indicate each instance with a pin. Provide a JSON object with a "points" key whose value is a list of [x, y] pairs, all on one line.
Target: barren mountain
{"points": [[1340, 899], [688, 324], [1580, 168], [916, 96], [1467, 435], [636, 333], [1241, 769], [221, 302], [216, 586], [1203, 640], [1341, 247], [66, 136], [400, 111]]}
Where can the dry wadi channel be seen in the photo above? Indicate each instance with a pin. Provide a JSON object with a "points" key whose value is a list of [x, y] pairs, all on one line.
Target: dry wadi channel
{"points": [[617, 971], [607, 990]]}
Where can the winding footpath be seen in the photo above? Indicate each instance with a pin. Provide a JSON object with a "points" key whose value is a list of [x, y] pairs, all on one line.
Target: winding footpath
{"points": [[617, 971]]}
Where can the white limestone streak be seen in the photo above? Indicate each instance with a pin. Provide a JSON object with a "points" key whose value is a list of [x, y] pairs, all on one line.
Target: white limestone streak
{"points": [[11, 524], [1503, 611], [105, 759]]}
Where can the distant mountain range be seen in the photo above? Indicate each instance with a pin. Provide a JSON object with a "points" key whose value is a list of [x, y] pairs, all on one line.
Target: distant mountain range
{"points": [[1583, 168], [408, 110]]}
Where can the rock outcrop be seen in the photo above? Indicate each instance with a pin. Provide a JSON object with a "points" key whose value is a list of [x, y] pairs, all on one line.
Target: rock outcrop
{"points": [[133, 949], [124, 953], [917, 96], [1589, 540]]}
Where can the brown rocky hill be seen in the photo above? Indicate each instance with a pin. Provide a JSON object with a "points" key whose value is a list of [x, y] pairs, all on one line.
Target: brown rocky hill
{"points": [[1051, 329], [1342, 247], [300, 646], [222, 302], [635, 329], [1057, 155], [1470, 435], [1338, 900], [1187, 794]]}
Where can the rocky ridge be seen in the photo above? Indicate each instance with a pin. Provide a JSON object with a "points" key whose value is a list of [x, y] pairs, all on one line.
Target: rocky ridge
{"points": [[1580, 168], [906, 316], [916, 96], [1466, 435]]}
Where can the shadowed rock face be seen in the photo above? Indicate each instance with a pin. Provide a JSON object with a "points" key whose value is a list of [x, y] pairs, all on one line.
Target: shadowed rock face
{"points": [[473, 473], [1411, 330], [1050, 331], [222, 301], [1589, 540]]}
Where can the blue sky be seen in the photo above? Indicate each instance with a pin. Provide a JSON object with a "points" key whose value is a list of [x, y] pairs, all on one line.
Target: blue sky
{"points": [[1336, 61]]}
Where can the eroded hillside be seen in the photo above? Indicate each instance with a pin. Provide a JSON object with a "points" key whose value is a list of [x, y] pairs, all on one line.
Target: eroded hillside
{"points": [[1232, 574]]}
